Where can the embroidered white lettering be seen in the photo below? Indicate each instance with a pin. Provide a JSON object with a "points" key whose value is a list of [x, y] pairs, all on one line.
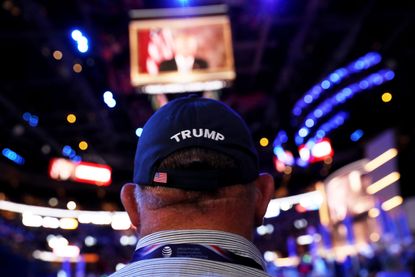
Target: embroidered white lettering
{"points": [[176, 137], [209, 134], [186, 134], [197, 133], [219, 136]]}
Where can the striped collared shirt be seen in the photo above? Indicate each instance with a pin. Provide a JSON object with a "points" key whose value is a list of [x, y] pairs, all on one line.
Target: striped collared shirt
{"points": [[193, 266]]}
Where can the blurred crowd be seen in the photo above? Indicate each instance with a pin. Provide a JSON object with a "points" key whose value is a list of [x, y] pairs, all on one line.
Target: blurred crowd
{"points": [[394, 260]]}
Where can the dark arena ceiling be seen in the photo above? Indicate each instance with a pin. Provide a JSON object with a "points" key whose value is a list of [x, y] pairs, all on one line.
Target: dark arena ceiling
{"points": [[281, 49]]}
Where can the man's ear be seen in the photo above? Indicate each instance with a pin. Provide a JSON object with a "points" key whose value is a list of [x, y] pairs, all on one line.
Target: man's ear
{"points": [[265, 190], [131, 206]]}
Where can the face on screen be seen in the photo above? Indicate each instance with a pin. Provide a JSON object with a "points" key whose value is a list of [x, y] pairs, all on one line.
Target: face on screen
{"points": [[200, 47], [185, 45]]}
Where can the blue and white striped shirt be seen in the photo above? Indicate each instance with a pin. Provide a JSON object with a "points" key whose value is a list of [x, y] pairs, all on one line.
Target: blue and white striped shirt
{"points": [[182, 266]]}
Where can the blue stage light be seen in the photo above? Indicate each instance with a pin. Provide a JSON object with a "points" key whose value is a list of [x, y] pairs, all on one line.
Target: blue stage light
{"points": [[303, 132], [326, 127], [34, 121], [111, 103], [298, 140], [352, 89], [377, 79], [309, 123], [31, 119], [359, 65], [275, 150], [318, 113], [26, 116], [76, 34], [372, 58], [356, 135], [334, 77], [376, 58], [325, 84], [326, 107], [362, 63], [83, 45], [371, 79], [316, 90], [183, 2], [340, 97], [389, 75], [296, 111], [310, 143], [76, 158], [66, 150], [81, 40], [332, 101], [339, 120], [72, 154], [282, 135], [13, 156], [301, 162], [308, 99], [331, 124], [108, 95], [109, 99], [342, 72], [69, 152], [282, 155], [279, 151], [363, 84], [347, 92], [139, 131], [320, 133]]}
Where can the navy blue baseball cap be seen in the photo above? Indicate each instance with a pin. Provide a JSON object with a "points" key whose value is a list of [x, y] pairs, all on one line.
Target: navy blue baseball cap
{"points": [[195, 122]]}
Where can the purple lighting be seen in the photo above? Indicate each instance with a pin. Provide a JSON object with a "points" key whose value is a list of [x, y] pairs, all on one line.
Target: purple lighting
{"points": [[330, 125], [361, 64], [347, 93]]}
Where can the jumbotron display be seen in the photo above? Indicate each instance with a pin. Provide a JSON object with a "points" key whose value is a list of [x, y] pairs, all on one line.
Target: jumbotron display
{"points": [[172, 55]]}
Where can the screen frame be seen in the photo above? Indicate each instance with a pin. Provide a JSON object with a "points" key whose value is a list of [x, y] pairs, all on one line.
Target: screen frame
{"points": [[225, 73]]}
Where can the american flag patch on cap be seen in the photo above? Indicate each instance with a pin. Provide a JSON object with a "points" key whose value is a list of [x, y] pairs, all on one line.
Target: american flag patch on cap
{"points": [[160, 177]]}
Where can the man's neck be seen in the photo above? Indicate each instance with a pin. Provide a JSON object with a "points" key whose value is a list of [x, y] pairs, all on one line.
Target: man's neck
{"points": [[172, 221]]}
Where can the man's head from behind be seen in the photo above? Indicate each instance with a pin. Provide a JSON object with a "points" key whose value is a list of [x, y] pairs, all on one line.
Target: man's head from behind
{"points": [[196, 168]]}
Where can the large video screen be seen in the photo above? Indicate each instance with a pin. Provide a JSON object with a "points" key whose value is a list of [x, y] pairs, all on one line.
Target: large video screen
{"points": [[181, 50]]}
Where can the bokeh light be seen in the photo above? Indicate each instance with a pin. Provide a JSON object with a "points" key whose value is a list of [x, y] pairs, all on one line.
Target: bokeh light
{"points": [[386, 97], [71, 118], [71, 205], [57, 55], [83, 145], [77, 68], [264, 142]]}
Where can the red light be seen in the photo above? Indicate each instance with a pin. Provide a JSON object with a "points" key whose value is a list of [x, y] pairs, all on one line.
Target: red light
{"points": [[91, 173], [279, 165], [300, 208], [319, 152], [84, 172]]}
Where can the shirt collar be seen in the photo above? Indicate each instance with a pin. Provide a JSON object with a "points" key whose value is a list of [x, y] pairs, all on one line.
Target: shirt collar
{"points": [[232, 242]]}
